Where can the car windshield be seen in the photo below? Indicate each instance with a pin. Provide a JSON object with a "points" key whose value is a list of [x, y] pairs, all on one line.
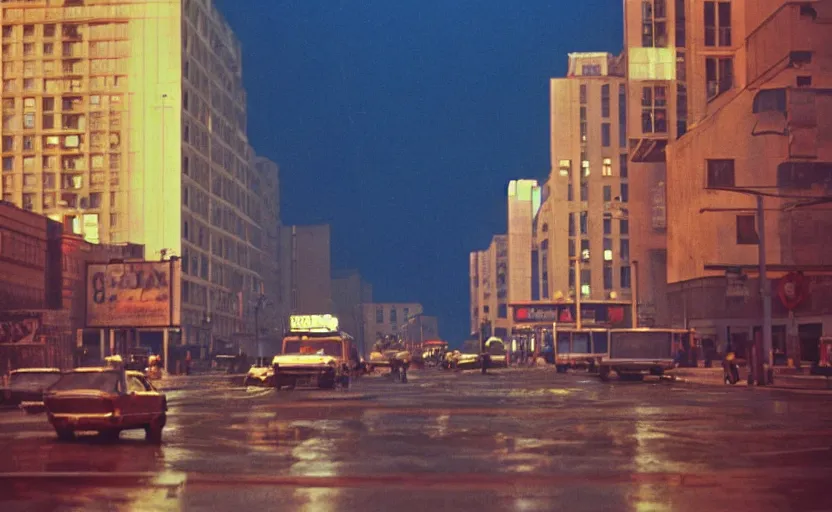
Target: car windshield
{"points": [[33, 381], [98, 381], [329, 347]]}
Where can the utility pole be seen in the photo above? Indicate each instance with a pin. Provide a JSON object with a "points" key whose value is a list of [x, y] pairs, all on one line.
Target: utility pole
{"points": [[765, 295], [634, 287]]}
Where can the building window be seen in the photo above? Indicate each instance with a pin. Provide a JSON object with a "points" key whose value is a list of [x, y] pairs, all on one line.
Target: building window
{"points": [[605, 101], [583, 125], [571, 245], [585, 170], [747, 230], [605, 135], [584, 191], [720, 173], [582, 93], [607, 275], [654, 109], [405, 314], [502, 311], [622, 116], [622, 165], [654, 24], [585, 253], [393, 316], [717, 24], [625, 193], [607, 249], [607, 224], [591, 70], [586, 282], [624, 227], [571, 215], [584, 222], [8, 163], [681, 110], [564, 167], [379, 315], [607, 193], [606, 167], [719, 75], [681, 39], [624, 249], [626, 281]]}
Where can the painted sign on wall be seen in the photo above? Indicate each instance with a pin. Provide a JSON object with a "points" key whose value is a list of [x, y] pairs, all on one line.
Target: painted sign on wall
{"points": [[19, 328], [136, 294]]}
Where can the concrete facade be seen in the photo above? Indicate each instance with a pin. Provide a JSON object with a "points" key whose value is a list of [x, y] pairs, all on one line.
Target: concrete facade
{"points": [[349, 292], [128, 120], [766, 130], [489, 276], [524, 198], [385, 318], [584, 212], [306, 269]]}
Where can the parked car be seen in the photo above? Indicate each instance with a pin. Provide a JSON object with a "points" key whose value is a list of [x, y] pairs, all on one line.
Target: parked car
{"points": [[26, 387], [106, 400]]}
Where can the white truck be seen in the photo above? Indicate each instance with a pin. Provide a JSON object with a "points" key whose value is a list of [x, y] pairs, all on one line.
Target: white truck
{"points": [[635, 353]]}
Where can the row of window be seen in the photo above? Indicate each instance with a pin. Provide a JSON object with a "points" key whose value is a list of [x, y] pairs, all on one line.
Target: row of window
{"points": [[624, 278], [623, 249], [654, 34], [393, 315], [623, 224]]}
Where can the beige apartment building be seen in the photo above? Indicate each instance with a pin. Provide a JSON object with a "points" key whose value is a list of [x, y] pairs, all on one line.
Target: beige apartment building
{"points": [[489, 276], [127, 121], [760, 104], [524, 198], [584, 221], [383, 319]]}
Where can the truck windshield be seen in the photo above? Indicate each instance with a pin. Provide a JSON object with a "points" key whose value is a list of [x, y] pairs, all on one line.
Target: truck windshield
{"points": [[88, 381], [329, 347]]}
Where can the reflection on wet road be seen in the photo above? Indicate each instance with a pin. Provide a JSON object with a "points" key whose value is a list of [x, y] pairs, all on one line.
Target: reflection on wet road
{"points": [[516, 440]]}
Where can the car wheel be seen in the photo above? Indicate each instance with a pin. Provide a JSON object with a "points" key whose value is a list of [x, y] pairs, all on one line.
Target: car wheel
{"points": [[65, 434], [153, 430], [153, 433]]}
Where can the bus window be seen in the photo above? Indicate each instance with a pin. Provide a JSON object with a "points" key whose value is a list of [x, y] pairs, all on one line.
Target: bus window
{"points": [[599, 342], [563, 343], [580, 343]]}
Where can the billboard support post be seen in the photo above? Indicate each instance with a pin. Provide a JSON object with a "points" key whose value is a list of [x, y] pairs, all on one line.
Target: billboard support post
{"points": [[165, 349], [102, 343]]}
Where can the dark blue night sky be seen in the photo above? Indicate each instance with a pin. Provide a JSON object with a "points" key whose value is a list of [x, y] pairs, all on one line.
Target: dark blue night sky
{"points": [[400, 122]]}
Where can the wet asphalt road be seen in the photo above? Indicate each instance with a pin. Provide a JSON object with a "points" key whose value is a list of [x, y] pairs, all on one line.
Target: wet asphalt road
{"points": [[517, 440]]}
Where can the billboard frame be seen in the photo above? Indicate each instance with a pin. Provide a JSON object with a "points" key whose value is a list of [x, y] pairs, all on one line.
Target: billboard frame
{"points": [[174, 288]]}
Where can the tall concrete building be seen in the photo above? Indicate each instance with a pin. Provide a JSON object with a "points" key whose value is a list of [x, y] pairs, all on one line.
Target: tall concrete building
{"points": [[489, 276], [584, 217], [760, 113], [656, 48], [524, 198], [349, 293], [273, 311], [306, 269], [127, 121]]}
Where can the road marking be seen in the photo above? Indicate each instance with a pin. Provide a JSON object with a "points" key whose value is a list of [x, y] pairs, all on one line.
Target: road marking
{"points": [[407, 480]]}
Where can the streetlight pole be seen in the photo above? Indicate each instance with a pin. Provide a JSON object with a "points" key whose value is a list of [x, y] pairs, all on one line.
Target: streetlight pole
{"points": [[765, 295]]}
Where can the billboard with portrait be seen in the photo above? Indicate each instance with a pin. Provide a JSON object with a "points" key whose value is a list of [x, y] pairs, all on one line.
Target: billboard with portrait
{"points": [[140, 294]]}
